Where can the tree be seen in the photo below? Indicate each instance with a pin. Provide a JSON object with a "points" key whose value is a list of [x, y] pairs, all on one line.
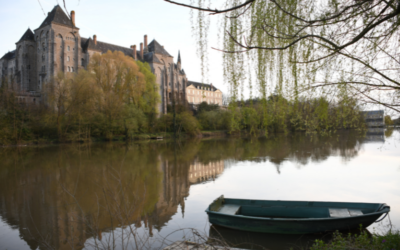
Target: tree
{"points": [[331, 48], [116, 95], [388, 120], [120, 88], [69, 96]]}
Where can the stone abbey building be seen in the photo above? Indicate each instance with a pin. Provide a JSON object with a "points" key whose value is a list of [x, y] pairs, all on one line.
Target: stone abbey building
{"points": [[57, 46]]}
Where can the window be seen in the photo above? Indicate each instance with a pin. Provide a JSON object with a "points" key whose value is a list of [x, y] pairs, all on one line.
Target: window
{"points": [[42, 58], [69, 69], [68, 48], [67, 58], [82, 62], [72, 69]]}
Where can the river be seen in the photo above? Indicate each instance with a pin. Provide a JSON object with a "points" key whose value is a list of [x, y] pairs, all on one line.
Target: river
{"points": [[96, 195]]}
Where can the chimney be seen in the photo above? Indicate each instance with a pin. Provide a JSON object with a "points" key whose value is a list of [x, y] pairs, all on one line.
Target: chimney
{"points": [[141, 51], [95, 39], [134, 51], [73, 17], [145, 44]]}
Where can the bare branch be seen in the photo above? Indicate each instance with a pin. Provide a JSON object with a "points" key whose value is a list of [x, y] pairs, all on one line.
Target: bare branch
{"points": [[215, 11]]}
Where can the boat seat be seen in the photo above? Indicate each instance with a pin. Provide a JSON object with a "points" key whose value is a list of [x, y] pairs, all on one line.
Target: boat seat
{"points": [[231, 209], [344, 212]]}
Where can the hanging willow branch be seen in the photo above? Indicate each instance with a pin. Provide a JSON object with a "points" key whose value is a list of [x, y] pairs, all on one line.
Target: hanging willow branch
{"points": [[311, 48]]}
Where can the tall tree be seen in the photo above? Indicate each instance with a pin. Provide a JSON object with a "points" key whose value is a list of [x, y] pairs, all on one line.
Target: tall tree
{"points": [[331, 48]]}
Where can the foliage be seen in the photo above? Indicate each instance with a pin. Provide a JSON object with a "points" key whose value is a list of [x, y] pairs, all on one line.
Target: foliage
{"points": [[388, 120], [389, 241], [204, 106], [281, 115], [306, 49], [115, 96]]}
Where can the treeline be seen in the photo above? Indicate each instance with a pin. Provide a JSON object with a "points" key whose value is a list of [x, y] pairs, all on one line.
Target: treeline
{"points": [[117, 96], [278, 115]]}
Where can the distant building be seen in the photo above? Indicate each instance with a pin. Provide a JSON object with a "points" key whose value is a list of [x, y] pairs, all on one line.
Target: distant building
{"points": [[200, 92], [56, 46], [374, 118]]}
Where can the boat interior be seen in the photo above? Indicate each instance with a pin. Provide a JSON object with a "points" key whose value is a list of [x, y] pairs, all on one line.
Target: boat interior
{"points": [[291, 209]]}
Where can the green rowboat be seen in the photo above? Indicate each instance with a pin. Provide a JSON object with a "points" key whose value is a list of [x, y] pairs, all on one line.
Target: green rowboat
{"points": [[293, 217]]}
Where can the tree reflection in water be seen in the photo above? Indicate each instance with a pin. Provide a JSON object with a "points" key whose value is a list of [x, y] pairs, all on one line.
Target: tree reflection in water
{"points": [[61, 196]]}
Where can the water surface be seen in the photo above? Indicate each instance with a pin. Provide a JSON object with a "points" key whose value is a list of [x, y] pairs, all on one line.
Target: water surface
{"points": [[81, 196]]}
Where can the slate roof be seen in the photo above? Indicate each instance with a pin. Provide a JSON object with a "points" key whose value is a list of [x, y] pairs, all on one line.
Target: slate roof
{"points": [[27, 36], [9, 55], [155, 47], [199, 84], [151, 57], [88, 44], [57, 15]]}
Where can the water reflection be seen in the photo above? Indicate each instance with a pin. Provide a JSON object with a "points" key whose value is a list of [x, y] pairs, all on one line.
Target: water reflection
{"points": [[61, 196], [262, 241], [376, 135]]}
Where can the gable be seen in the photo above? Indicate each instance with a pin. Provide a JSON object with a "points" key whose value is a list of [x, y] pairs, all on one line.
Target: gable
{"points": [[58, 16]]}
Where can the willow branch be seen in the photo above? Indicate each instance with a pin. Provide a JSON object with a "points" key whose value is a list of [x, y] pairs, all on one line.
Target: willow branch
{"points": [[215, 11]]}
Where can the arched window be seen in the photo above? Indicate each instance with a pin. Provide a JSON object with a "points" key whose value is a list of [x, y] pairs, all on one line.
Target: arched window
{"points": [[69, 69], [67, 58], [72, 69]]}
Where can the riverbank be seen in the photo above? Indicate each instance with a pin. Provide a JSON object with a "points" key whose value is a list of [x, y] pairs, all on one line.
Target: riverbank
{"points": [[116, 138], [388, 241]]}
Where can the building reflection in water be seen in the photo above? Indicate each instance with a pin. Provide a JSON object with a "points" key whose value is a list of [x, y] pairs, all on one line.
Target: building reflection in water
{"points": [[375, 135], [199, 172], [62, 196]]}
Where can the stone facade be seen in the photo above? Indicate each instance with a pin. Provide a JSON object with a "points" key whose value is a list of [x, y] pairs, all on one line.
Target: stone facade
{"points": [[56, 46], [374, 118], [200, 92]]}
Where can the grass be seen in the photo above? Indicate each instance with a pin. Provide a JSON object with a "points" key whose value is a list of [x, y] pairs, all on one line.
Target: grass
{"points": [[389, 241]]}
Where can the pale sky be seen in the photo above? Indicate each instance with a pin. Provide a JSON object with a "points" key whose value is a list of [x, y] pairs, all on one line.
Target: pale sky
{"points": [[120, 22]]}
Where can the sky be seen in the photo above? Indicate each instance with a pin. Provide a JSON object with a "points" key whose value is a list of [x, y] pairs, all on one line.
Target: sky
{"points": [[119, 22]]}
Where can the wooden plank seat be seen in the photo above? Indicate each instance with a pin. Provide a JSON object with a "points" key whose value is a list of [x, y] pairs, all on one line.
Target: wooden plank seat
{"points": [[231, 209], [344, 212]]}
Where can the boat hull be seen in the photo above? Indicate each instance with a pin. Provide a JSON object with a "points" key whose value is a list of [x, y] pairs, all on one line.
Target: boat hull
{"points": [[290, 226], [287, 225]]}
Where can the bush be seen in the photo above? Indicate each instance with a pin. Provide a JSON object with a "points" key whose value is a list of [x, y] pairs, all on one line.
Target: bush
{"points": [[389, 241]]}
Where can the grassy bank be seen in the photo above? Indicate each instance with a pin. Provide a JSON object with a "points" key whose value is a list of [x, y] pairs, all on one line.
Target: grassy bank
{"points": [[388, 241]]}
